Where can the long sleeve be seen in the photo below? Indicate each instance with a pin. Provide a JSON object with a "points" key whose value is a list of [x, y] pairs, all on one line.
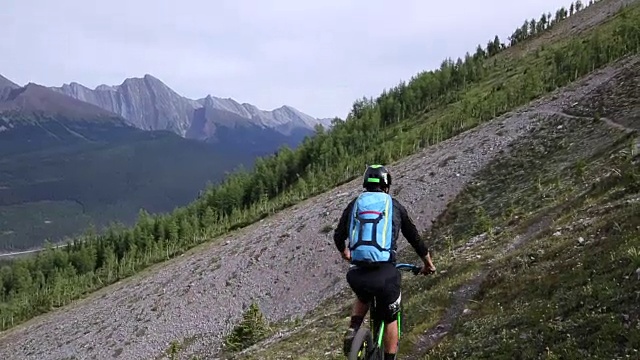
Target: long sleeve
{"points": [[410, 231], [342, 230]]}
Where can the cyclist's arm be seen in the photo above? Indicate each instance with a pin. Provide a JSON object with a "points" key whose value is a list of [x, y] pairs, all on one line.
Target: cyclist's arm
{"points": [[342, 231], [410, 231]]}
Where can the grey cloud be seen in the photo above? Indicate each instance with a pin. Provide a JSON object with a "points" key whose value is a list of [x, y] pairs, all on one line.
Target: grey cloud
{"points": [[318, 56]]}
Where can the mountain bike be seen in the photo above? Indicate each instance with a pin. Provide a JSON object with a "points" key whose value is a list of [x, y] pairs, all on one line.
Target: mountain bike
{"points": [[363, 346]]}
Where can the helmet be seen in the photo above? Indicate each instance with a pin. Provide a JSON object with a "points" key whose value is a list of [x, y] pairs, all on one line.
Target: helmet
{"points": [[377, 175]]}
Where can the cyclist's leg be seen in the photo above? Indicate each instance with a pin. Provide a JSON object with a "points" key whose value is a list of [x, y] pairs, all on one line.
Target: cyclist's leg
{"points": [[390, 299], [359, 310], [357, 280]]}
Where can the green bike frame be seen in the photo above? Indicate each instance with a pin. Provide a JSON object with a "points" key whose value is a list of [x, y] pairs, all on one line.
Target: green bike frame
{"points": [[381, 326]]}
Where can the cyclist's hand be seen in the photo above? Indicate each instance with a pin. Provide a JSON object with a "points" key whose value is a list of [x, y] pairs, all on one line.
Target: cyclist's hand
{"points": [[346, 254], [426, 270], [428, 267]]}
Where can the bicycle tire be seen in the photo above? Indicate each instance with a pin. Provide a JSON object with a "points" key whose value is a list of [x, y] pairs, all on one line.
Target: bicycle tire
{"points": [[363, 336]]}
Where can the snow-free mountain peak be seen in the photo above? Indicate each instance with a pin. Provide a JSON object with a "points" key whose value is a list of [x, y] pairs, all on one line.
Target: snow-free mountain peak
{"points": [[148, 103], [6, 83]]}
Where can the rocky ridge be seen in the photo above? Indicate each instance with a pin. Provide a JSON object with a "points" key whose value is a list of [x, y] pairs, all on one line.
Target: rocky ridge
{"points": [[149, 104], [6, 86], [4, 83], [145, 103], [34, 98]]}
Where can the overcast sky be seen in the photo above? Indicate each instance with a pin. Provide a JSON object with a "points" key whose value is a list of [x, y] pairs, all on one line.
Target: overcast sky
{"points": [[315, 55]]}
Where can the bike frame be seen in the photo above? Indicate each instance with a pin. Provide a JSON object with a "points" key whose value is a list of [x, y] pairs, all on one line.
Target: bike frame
{"points": [[380, 332], [379, 335]]}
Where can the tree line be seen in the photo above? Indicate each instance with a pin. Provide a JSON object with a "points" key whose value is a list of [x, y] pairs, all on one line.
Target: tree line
{"points": [[401, 120]]}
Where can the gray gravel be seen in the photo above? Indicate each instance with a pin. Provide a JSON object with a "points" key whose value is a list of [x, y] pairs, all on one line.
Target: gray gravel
{"points": [[284, 262]]}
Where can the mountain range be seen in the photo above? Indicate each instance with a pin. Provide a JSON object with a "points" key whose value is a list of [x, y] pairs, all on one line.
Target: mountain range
{"points": [[72, 156], [148, 104]]}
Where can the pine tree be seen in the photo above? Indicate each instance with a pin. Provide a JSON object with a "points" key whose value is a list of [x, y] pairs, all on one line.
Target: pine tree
{"points": [[252, 328]]}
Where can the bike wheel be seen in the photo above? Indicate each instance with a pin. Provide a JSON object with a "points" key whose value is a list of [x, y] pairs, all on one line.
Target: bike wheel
{"points": [[362, 345]]}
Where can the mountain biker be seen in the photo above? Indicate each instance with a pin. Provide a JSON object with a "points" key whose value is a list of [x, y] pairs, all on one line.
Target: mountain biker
{"points": [[373, 271]]}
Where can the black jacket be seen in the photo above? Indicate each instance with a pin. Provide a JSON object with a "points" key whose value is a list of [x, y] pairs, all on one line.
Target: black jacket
{"points": [[401, 222]]}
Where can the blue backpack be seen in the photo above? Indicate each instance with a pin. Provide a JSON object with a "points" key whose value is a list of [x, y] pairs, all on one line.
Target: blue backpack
{"points": [[370, 230]]}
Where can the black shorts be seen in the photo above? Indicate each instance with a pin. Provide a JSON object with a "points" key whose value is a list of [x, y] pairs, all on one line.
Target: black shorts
{"points": [[383, 282]]}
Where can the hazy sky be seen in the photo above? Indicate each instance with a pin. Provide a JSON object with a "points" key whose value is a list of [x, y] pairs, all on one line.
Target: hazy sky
{"points": [[315, 55]]}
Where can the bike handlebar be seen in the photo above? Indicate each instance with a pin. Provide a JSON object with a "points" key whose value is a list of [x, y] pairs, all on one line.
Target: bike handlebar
{"points": [[409, 267], [415, 269]]}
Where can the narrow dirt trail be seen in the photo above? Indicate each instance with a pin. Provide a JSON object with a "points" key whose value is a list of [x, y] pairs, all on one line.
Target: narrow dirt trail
{"points": [[609, 122]]}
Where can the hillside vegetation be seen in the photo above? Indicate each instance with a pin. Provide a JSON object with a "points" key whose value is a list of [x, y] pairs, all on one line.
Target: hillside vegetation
{"points": [[433, 106]]}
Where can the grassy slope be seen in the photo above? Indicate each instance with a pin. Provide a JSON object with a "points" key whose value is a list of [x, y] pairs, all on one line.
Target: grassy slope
{"points": [[559, 297], [558, 284], [573, 182]]}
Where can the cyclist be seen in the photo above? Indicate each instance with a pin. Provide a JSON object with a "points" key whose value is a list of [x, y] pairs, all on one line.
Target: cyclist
{"points": [[373, 257]]}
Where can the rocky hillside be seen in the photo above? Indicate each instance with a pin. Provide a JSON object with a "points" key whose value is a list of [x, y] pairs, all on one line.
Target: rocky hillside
{"points": [[473, 182], [147, 103]]}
